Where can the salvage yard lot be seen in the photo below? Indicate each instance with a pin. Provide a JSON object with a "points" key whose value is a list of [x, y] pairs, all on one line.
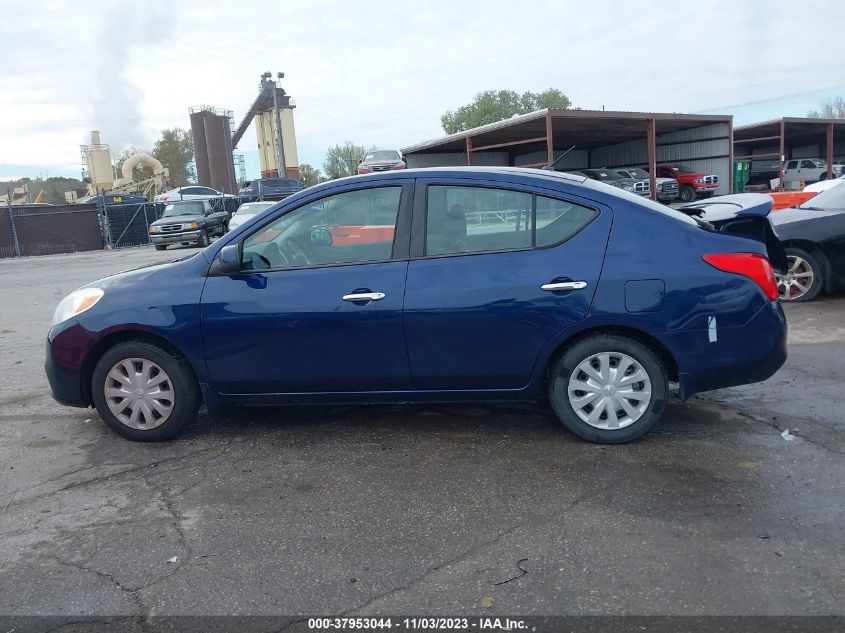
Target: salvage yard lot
{"points": [[419, 509]]}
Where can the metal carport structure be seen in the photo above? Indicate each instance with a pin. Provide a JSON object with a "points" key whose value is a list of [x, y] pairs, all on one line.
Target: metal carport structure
{"points": [[780, 140], [597, 138]]}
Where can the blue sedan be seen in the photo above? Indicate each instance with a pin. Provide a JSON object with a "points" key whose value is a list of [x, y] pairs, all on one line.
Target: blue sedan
{"points": [[437, 285]]}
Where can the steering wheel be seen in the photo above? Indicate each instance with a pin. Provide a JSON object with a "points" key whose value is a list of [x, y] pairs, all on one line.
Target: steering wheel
{"points": [[293, 253]]}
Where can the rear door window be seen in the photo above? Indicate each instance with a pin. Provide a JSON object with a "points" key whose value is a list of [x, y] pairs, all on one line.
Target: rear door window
{"points": [[462, 219]]}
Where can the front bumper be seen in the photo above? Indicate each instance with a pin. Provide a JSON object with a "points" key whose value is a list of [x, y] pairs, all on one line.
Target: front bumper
{"points": [[68, 345], [664, 196], [703, 186], [175, 238], [740, 355]]}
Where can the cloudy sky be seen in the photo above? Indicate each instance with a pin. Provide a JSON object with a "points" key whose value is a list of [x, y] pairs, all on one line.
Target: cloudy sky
{"points": [[382, 72]]}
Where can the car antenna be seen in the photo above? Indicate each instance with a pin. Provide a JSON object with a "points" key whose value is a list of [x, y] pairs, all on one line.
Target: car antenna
{"points": [[551, 166]]}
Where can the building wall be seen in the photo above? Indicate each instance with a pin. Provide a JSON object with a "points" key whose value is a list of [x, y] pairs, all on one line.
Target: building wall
{"points": [[576, 159], [705, 148], [457, 159]]}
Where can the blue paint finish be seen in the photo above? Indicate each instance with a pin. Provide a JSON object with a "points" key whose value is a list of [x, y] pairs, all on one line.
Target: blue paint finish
{"points": [[291, 331], [463, 327], [480, 321]]}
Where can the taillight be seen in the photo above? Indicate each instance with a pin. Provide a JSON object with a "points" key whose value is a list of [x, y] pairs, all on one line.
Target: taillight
{"points": [[751, 265]]}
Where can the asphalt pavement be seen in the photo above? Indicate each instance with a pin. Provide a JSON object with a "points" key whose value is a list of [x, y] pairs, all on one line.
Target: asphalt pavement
{"points": [[419, 509]]}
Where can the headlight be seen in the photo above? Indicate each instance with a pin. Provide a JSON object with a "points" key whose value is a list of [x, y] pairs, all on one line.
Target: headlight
{"points": [[192, 225], [699, 180], [153, 229], [628, 187], [76, 303]]}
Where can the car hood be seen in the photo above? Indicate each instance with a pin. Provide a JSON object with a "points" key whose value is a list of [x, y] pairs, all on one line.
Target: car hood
{"points": [[797, 214], [178, 219], [369, 163]]}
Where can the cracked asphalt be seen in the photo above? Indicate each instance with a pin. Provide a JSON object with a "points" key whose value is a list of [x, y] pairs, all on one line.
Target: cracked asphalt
{"points": [[419, 510]]}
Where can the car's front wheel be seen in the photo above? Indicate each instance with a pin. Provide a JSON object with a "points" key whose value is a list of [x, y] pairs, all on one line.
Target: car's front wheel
{"points": [[803, 279], [203, 240], [143, 392], [608, 388]]}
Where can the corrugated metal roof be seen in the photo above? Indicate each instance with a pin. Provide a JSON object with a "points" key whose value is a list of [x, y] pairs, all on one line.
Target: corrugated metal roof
{"points": [[566, 115]]}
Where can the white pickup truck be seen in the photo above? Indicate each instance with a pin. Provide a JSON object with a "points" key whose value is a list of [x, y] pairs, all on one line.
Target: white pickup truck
{"points": [[806, 171]]}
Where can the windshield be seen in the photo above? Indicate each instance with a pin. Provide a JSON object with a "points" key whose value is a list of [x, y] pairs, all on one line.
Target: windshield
{"points": [[382, 155], [683, 170], [252, 208], [183, 208], [833, 198], [638, 173], [604, 174]]}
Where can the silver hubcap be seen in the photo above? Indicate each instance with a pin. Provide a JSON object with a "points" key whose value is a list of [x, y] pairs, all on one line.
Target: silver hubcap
{"points": [[609, 390], [139, 393], [798, 279]]}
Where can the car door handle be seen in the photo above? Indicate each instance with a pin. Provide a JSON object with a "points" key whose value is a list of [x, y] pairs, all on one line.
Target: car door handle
{"points": [[364, 296], [564, 285]]}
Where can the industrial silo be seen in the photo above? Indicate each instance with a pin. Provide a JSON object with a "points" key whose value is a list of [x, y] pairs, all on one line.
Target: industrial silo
{"points": [[200, 151]]}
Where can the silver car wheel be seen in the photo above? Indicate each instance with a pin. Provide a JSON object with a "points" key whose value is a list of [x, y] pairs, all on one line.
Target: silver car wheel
{"points": [[798, 279], [609, 390], [139, 393]]}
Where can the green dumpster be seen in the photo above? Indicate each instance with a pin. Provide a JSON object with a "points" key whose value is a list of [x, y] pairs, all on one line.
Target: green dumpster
{"points": [[742, 170]]}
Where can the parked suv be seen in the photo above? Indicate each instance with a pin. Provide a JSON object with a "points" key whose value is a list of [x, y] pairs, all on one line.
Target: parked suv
{"points": [[693, 184], [667, 188], [612, 177], [188, 222], [381, 160]]}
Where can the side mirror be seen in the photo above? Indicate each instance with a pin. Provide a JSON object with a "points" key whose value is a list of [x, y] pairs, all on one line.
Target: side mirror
{"points": [[321, 235], [228, 261]]}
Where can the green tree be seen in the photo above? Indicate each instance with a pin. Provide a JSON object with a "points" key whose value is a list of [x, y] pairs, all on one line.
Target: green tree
{"points": [[342, 160], [175, 150], [309, 175], [141, 171], [496, 105], [832, 109]]}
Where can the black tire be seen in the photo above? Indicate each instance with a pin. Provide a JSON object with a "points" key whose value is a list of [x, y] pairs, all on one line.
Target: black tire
{"points": [[785, 290], [823, 177], [202, 242], [687, 193], [567, 363], [186, 394], [161, 247]]}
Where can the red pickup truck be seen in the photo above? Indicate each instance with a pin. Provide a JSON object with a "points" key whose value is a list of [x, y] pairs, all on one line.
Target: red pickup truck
{"points": [[692, 184]]}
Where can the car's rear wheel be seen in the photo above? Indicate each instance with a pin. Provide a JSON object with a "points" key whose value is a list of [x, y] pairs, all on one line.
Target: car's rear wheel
{"points": [[608, 389], [144, 392], [803, 279], [687, 193]]}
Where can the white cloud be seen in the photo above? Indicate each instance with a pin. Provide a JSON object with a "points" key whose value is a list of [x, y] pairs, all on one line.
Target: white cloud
{"points": [[382, 74]]}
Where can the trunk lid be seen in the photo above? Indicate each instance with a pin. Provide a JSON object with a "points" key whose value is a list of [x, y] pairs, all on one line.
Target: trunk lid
{"points": [[743, 214]]}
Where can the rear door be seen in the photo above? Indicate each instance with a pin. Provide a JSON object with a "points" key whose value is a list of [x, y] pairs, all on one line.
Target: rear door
{"points": [[496, 272]]}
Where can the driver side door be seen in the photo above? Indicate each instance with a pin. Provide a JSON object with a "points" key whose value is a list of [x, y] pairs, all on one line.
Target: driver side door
{"points": [[317, 306]]}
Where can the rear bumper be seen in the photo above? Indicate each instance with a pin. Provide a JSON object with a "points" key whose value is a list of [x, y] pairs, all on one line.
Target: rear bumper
{"points": [[175, 238], [67, 350], [741, 355]]}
